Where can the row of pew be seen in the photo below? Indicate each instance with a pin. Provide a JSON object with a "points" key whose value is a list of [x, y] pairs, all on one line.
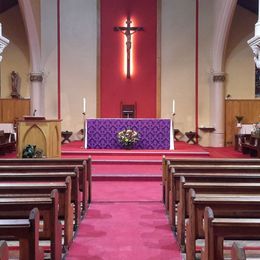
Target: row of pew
{"points": [[43, 200], [211, 199]]}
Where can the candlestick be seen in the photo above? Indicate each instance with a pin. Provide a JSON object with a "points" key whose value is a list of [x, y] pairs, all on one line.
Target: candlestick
{"points": [[173, 106], [84, 105]]}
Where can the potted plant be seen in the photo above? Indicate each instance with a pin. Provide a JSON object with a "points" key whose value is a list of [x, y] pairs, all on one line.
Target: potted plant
{"points": [[127, 138], [239, 120]]}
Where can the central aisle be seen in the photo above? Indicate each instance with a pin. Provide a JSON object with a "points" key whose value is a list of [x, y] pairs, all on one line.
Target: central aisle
{"points": [[125, 221]]}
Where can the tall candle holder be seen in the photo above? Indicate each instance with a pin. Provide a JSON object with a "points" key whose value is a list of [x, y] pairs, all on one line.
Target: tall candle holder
{"points": [[84, 127]]}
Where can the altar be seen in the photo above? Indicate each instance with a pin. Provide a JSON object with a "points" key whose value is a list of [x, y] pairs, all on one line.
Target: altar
{"points": [[154, 133]]}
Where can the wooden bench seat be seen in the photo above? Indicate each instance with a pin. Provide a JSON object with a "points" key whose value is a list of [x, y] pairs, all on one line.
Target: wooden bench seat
{"points": [[207, 188], [4, 251], [227, 175], [224, 205], [218, 229], [7, 142], [20, 206], [27, 232], [32, 175], [169, 163], [251, 147], [9, 189], [84, 166]]}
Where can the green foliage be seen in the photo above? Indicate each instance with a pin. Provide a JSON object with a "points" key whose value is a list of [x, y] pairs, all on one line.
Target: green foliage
{"points": [[128, 137], [30, 151]]}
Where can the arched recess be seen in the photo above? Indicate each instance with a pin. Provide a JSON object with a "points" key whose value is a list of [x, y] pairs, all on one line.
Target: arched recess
{"points": [[35, 56], [224, 12], [35, 136]]}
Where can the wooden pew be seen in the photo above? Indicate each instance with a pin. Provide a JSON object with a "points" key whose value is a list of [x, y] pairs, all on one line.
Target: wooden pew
{"points": [[4, 252], [27, 173], [7, 142], [218, 229], [84, 165], [20, 206], [207, 188], [208, 173], [251, 147], [27, 232], [237, 252], [9, 189], [169, 163], [174, 196], [224, 205]]}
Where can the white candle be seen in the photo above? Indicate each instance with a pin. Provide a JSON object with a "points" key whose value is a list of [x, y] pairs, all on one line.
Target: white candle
{"points": [[173, 106], [84, 105]]}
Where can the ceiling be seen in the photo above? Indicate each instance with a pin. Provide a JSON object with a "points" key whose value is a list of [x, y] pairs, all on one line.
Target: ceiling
{"points": [[6, 4], [251, 5]]}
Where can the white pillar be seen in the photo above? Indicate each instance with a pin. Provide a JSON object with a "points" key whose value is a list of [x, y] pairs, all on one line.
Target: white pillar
{"points": [[217, 103], [37, 94]]}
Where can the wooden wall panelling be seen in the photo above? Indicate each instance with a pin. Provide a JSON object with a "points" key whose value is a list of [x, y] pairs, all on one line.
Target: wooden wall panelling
{"points": [[11, 109], [249, 109]]}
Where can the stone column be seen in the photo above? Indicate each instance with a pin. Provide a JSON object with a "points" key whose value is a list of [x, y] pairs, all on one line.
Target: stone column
{"points": [[37, 94], [217, 103]]}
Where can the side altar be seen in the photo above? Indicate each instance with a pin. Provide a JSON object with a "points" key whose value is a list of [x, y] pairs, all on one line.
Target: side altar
{"points": [[154, 133]]}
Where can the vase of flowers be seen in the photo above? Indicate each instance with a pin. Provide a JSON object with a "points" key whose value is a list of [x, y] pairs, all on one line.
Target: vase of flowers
{"points": [[239, 120], [127, 138]]}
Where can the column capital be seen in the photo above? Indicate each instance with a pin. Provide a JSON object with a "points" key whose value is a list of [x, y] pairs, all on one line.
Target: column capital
{"points": [[36, 76], [218, 76]]}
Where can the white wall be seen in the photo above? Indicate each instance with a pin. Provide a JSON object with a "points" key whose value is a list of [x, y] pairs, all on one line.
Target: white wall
{"points": [[178, 61], [16, 54], [78, 59], [240, 67]]}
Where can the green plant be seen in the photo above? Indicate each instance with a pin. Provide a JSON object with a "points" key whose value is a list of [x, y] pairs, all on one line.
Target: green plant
{"points": [[30, 151], [239, 119], [128, 137]]}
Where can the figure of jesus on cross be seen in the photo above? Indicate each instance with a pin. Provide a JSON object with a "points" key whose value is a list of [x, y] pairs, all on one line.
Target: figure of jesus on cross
{"points": [[128, 31]]}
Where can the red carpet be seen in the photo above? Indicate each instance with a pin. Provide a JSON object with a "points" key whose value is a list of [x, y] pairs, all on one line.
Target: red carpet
{"points": [[125, 221]]}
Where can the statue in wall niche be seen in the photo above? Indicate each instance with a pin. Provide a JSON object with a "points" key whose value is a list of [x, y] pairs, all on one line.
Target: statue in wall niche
{"points": [[15, 81]]}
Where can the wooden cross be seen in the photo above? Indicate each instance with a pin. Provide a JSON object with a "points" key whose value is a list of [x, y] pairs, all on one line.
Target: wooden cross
{"points": [[128, 31]]}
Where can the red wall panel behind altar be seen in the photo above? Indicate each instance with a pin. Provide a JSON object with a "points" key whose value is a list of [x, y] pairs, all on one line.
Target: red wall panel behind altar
{"points": [[114, 86]]}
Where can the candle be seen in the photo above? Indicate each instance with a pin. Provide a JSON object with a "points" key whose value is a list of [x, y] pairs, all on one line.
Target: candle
{"points": [[84, 105], [173, 106]]}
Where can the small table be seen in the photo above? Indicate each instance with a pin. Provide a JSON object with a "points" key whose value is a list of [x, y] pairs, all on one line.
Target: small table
{"points": [[191, 135], [66, 136]]}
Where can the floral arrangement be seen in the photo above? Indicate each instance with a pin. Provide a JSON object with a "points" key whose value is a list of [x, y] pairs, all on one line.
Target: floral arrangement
{"points": [[128, 137], [30, 151], [256, 130]]}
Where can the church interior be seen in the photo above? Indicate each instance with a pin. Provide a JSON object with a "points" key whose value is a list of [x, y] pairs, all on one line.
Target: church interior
{"points": [[129, 129]]}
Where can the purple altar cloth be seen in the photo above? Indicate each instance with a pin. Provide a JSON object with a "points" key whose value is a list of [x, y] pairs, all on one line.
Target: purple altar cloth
{"points": [[154, 133]]}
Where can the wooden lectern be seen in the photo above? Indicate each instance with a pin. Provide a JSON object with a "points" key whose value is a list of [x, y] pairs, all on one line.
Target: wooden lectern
{"points": [[45, 134]]}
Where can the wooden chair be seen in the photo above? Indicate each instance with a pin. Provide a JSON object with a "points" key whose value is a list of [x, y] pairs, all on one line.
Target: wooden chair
{"points": [[128, 110]]}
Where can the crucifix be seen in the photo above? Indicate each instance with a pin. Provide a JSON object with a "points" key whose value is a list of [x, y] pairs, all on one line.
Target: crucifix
{"points": [[128, 31]]}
